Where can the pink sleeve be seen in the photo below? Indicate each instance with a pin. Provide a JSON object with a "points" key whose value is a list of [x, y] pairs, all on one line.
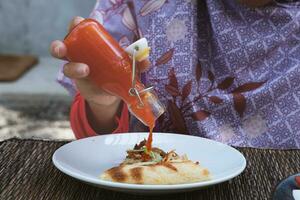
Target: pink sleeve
{"points": [[80, 124]]}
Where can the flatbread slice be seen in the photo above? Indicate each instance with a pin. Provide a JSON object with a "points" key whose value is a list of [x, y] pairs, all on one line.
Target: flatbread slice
{"points": [[157, 174], [160, 169]]}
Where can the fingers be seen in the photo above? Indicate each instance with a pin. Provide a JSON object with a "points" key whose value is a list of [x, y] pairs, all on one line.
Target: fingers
{"points": [[76, 70], [74, 22], [58, 49], [144, 65]]}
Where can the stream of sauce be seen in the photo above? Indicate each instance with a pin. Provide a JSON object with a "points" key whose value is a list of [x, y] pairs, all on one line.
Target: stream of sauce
{"points": [[147, 116], [150, 139]]}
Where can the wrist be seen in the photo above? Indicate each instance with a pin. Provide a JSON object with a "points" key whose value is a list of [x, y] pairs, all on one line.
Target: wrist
{"points": [[102, 118]]}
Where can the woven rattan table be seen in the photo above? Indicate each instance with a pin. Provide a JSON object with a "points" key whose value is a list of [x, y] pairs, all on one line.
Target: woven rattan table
{"points": [[27, 172]]}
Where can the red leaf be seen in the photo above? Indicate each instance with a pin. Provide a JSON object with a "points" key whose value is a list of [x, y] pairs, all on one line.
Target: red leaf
{"points": [[215, 99], [173, 79], [211, 76], [198, 71], [166, 57], [297, 179], [200, 115], [239, 101], [177, 119], [226, 83], [186, 90], [248, 87], [172, 90]]}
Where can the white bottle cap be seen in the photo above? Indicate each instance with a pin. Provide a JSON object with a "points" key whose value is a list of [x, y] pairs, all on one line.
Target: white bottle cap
{"points": [[140, 45]]}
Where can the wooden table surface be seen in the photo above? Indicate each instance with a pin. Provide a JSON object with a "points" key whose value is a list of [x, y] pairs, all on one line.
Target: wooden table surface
{"points": [[27, 172]]}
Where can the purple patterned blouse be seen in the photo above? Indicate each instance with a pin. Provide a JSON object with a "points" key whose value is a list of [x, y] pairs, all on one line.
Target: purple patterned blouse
{"points": [[224, 71]]}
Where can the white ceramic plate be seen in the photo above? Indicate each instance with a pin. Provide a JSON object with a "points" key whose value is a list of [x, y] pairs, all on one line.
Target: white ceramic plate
{"points": [[87, 158]]}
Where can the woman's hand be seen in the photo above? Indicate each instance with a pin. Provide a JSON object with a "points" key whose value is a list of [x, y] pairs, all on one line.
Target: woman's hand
{"points": [[79, 72], [102, 106]]}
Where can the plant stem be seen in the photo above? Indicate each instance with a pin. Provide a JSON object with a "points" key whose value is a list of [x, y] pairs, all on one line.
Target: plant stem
{"points": [[189, 105]]}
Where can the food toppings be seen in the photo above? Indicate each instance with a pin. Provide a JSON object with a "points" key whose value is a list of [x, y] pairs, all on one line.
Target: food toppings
{"points": [[140, 154], [140, 145]]}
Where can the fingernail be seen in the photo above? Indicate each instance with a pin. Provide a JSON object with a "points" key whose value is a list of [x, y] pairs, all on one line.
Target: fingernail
{"points": [[57, 51], [82, 70]]}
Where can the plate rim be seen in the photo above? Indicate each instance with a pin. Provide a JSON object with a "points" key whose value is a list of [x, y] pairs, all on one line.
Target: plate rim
{"points": [[128, 186]]}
